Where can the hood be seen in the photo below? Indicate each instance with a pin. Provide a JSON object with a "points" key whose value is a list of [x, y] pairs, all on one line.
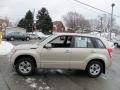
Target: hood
{"points": [[26, 46]]}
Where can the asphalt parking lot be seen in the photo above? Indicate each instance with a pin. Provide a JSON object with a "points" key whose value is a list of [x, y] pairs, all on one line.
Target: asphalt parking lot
{"points": [[60, 79]]}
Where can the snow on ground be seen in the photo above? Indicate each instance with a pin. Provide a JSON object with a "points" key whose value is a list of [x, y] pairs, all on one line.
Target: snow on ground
{"points": [[37, 84], [5, 48], [33, 85]]}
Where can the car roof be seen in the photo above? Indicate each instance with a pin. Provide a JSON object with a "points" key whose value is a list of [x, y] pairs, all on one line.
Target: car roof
{"points": [[77, 34], [104, 40]]}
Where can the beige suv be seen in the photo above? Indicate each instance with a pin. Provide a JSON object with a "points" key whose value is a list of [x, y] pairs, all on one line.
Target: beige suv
{"points": [[63, 51]]}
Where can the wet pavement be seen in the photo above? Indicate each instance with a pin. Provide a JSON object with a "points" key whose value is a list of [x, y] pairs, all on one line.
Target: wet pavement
{"points": [[59, 79]]}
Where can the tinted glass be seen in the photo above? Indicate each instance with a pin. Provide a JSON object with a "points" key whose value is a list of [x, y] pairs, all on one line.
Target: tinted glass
{"points": [[61, 42], [99, 43]]}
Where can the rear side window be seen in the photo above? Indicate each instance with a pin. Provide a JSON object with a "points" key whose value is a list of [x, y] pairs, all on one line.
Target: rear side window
{"points": [[99, 44], [83, 42]]}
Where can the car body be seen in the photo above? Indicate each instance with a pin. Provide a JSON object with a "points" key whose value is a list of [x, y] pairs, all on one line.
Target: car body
{"points": [[17, 36], [38, 35], [116, 41], [34, 36], [64, 51]]}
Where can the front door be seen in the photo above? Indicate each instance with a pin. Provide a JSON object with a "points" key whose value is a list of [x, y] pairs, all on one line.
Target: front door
{"points": [[58, 56]]}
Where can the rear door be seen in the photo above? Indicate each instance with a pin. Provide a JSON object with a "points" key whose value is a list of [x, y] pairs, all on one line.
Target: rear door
{"points": [[82, 48]]}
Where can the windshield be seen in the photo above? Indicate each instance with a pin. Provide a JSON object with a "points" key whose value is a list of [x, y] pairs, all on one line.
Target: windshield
{"points": [[43, 39]]}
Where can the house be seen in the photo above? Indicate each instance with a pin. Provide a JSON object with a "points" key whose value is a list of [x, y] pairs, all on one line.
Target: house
{"points": [[3, 24], [58, 26]]}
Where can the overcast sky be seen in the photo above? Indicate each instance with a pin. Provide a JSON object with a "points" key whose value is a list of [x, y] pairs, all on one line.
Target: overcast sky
{"points": [[16, 9]]}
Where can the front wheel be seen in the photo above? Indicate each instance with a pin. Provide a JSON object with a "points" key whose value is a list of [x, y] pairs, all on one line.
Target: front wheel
{"points": [[39, 38], [94, 69], [25, 66], [27, 39], [116, 44]]}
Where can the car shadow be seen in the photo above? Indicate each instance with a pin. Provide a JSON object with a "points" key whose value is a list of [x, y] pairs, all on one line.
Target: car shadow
{"points": [[61, 72]]}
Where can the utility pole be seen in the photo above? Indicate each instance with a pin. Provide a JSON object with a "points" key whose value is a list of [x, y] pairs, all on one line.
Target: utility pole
{"points": [[111, 20], [101, 25], [33, 21]]}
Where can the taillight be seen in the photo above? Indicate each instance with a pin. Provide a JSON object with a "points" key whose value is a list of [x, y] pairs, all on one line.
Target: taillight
{"points": [[110, 51]]}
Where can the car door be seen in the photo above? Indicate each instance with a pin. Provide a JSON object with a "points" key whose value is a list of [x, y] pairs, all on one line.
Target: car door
{"points": [[16, 35], [58, 56], [82, 48]]}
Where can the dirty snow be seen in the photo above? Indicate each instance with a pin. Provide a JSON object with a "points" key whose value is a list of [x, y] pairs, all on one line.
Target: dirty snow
{"points": [[47, 88], [40, 88], [5, 48], [33, 85], [30, 80]]}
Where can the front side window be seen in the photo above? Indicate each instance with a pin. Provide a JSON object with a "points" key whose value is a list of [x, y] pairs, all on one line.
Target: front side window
{"points": [[83, 42], [61, 42]]}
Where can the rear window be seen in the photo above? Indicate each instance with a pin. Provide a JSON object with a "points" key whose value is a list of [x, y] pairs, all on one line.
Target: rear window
{"points": [[99, 44]]}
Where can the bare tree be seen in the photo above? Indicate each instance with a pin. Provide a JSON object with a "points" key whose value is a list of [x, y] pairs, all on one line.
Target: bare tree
{"points": [[76, 21], [101, 23]]}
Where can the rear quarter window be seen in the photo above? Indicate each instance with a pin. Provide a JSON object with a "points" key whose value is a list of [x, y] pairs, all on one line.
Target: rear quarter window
{"points": [[99, 43]]}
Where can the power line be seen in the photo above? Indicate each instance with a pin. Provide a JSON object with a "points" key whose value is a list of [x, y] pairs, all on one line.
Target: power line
{"points": [[94, 7]]}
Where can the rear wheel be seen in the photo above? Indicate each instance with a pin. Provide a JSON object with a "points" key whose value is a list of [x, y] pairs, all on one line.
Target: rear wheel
{"points": [[25, 66], [12, 39], [27, 38], [94, 69]]}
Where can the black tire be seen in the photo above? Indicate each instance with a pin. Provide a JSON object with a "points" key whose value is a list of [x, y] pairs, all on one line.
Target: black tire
{"points": [[12, 39], [29, 63], [27, 38], [22, 39], [7, 39], [39, 38], [92, 69], [116, 44]]}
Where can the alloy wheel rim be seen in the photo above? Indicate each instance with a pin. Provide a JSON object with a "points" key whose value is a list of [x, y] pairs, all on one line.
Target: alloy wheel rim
{"points": [[95, 69], [27, 39], [25, 67], [12, 39]]}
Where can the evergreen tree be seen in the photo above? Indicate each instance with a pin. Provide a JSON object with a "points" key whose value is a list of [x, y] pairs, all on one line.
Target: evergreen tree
{"points": [[21, 23], [44, 21], [29, 21]]}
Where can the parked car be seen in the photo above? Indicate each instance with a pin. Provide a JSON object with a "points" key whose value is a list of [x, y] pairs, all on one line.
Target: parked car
{"points": [[34, 36], [117, 41], [17, 36], [63, 51]]}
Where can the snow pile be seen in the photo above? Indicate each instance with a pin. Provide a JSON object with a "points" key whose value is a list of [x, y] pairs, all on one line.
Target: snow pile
{"points": [[5, 48]]}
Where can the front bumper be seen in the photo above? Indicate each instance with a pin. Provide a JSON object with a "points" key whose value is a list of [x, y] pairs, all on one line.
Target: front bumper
{"points": [[11, 63]]}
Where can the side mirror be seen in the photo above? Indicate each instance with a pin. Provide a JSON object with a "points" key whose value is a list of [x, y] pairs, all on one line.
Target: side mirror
{"points": [[48, 45]]}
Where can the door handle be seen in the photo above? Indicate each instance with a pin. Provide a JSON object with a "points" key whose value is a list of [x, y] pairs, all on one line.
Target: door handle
{"points": [[92, 51], [67, 51]]}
